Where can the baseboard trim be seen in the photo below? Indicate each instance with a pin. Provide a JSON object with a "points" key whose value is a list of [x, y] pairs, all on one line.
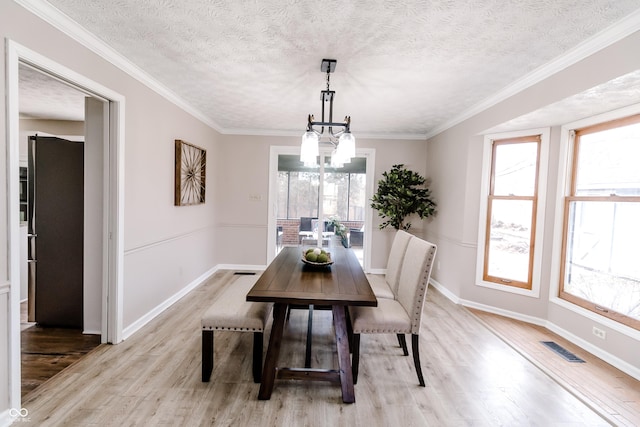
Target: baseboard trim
{"points": [[242, 267], [138, 324], [554, 377], [612, 360], [444, 291], [506, 313]]}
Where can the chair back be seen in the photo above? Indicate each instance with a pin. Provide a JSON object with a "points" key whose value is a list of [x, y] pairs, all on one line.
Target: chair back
{"points": [[306, 223], [414, 279], [394, 262]]}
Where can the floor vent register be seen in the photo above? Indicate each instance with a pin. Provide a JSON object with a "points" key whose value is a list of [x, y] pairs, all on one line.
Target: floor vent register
{"points": [[566, 354]]}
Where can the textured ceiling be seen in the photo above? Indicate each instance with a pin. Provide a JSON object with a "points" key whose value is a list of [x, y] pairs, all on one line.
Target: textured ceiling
{"points": [[43, 97], [404, 67], [614, 94]]}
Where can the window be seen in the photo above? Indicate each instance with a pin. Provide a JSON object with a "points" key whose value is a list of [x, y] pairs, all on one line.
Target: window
{"points": [[512, 206], [343, 191], [298, 194], [344, 195], [600, 269], [511, 209]]}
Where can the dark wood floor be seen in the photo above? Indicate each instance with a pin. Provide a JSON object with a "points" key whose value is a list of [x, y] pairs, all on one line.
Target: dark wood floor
{"points": [[47, 351]]}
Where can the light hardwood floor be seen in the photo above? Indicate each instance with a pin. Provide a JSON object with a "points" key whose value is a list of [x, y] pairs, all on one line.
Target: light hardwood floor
{"points": [[153, 378], [608, 390]]}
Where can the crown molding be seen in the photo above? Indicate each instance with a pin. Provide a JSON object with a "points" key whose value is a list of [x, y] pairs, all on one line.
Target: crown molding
{"points": [[298, 134], [614, 33], [71, 28], [75, 31], [45, 11]]}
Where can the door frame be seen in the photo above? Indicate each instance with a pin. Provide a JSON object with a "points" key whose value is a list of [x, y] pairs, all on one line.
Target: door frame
{"points": [[274, 152], [113, 200]]}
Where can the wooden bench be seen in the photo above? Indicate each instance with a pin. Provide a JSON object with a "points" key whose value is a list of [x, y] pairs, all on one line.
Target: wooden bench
{"points": [[232, 312]]}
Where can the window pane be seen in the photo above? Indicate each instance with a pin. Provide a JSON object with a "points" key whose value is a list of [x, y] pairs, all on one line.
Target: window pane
{"points": [[335, 194], [602, 255], [608, 162], [510, 239], [515, 169], [283, 190], [303, 194], [357, 197]]}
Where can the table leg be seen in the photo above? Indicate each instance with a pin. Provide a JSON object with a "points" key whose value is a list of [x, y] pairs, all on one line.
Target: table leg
{"points": [[273, 351], [342, 343], [307, 353]]}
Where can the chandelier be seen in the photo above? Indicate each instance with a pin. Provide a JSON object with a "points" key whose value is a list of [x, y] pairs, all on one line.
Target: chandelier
{"points": [[343, 141]]}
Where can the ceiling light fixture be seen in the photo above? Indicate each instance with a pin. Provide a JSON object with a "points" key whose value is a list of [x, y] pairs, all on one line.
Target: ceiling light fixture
{"points": [[343, 141]]}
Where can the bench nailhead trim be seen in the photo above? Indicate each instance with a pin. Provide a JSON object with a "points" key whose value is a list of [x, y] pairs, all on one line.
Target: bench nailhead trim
{"points": [[224, 328]]}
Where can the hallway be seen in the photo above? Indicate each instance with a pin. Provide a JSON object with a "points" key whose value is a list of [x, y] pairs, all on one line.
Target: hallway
{"points": [[47, 351]]}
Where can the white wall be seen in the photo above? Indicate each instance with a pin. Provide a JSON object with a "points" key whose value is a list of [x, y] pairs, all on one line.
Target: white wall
{"points": [[455, 162], [4, 345], [95, 112], [167, 248]]}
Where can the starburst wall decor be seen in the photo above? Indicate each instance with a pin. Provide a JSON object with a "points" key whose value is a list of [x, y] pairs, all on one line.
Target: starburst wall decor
{"points": [[190, 174]]}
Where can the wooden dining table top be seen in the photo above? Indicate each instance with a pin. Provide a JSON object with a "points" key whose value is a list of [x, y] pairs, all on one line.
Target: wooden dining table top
{"points": [[289, 280]]}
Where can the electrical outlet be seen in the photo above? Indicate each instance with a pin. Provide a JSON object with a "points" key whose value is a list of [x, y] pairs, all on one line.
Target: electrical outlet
{"points": [[599, 333], [438, 266], [255, 197]]}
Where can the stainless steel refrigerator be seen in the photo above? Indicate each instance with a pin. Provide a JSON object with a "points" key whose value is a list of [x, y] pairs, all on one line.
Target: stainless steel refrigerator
{"points": [[55, 218]]}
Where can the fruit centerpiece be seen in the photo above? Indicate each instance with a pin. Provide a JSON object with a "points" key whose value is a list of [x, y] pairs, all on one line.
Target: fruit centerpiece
{"points": [[316, 256]]}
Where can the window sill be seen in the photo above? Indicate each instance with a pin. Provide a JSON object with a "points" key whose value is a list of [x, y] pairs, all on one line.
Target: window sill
{"points": [[532, 293], [604, 321]]}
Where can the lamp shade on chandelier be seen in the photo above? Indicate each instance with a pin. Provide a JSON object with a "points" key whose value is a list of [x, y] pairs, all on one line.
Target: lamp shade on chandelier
{"points": [[343, 141]]}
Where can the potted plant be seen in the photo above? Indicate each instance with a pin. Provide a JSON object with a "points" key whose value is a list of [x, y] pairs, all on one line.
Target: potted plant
{"points": [[401, 192], [339, 230]]}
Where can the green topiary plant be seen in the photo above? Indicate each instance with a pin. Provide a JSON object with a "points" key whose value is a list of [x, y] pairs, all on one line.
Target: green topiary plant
{"points": [[400, 195]]}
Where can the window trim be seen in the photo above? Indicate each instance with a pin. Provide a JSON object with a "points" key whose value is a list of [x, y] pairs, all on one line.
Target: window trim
{"points": [[569, 197], [540, 207], [565, 156], [492, 197], [274, 152]]}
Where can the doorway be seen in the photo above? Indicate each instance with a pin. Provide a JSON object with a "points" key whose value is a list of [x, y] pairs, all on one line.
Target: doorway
{"points": [[309, 204], [107, 291]]}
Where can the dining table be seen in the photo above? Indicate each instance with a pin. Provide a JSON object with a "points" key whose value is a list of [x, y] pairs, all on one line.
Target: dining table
{"points": [[288, 280]]}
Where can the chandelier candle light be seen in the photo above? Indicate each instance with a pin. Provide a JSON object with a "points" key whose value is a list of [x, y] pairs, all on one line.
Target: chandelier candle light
{"points": [[344, 142]]}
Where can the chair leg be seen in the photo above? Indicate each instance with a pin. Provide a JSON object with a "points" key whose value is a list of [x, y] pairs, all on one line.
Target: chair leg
{"points": [[355, 359], [207, 355], [416, 358], [403, 343], [258, 338]]}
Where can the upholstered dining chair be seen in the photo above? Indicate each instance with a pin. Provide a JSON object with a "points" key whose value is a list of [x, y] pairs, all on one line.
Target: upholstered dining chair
{"points": [[402, 315], [386, 286], [306, 226]]}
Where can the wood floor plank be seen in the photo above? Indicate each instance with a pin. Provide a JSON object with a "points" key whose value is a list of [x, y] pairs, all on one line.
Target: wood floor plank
{"points": [[47, 351], [154, 378], [596, 382]]}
